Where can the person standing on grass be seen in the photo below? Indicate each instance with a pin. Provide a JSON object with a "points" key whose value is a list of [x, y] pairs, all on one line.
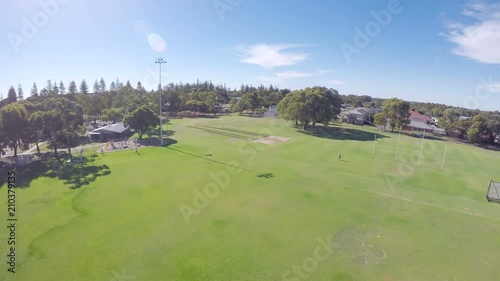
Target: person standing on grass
{"points": [[340, 156]]}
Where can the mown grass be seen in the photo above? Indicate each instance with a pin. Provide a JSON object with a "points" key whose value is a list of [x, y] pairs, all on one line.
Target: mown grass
{"points": [[386, 219]]}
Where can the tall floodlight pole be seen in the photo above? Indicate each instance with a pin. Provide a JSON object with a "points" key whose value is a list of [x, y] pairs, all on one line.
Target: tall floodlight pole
{"points": [[397, 147], [160, 61]]}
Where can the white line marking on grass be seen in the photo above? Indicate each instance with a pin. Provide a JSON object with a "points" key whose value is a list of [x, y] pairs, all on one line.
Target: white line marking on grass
{"points": [[396, 196], [423, 203]]}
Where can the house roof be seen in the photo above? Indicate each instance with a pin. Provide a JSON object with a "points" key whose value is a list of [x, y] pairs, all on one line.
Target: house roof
{"points": [[420, 125], [358, 111], [417, 116], [118, 127]]}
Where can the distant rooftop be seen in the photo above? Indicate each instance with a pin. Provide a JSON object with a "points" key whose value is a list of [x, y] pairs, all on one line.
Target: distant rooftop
{"points": [[118, 127]]}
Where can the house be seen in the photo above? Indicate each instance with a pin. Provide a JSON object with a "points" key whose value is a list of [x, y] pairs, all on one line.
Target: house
{"points": [[110, 132], [415, 116], [356, 116], [417, 125], [438, 131]]}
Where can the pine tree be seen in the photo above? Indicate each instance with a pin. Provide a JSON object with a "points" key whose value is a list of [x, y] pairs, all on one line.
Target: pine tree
{"points": [[84, 89], [112, 86], [11, 95], [72, 87], [118, 84], [128, 84], [62, 89], [97, 88], [102, 85], [34, 90], [20, 93], [49, 86], [55, 89]]}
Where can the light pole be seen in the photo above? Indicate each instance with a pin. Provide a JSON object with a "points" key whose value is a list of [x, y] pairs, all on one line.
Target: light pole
{"points": [[168, 105], [160, 61]]}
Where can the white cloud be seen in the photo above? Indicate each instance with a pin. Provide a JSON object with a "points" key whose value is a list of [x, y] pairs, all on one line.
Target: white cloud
{"points": [[492, 88], [292, 74], [271, 56], [324, 71], [336, 82], [478, 40]]}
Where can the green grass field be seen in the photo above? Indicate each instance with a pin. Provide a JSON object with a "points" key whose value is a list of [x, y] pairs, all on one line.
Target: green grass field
{"points": [[289, 211]]}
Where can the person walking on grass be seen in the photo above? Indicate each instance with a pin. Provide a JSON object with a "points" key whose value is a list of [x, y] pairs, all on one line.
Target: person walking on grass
{"points": [[340, 156]]}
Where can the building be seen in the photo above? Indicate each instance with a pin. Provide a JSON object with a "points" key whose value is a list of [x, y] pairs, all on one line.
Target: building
{"points": [[417, 125], [110, 132], [358, 116], [438, 131], [415, 116]]}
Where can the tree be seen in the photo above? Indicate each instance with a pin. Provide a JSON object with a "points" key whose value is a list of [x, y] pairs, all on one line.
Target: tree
{"points": [[72, 87], [20, 93], [128, 84], [139, 86], [311, 105], [34, 90], [474, 132], [36, 127], [14, 124], [93, 106], [84, 89], [197, 106], [397, 111], [63, 119], [380, 119], [44, 92], [118, 84], [102, 85], [112, 114], [11, 95], [112, 86], [55, 88], [141, 120], [62, 89], [49, 86], [97, 87]]}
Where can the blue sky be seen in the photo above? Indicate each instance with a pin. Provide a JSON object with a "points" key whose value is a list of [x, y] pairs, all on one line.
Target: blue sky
{"points": [[436, 51]]}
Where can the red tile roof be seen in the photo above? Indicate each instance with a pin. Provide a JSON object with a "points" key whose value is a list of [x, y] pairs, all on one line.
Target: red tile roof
{"points": [[419, 117]]}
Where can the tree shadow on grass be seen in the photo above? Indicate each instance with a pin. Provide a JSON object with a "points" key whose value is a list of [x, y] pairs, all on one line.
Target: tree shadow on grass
{"points": [[339, 133], [74, 173], [213, 161]]}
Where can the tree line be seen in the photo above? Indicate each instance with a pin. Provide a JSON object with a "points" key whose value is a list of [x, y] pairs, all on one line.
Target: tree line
{"points": [[56, 114]]}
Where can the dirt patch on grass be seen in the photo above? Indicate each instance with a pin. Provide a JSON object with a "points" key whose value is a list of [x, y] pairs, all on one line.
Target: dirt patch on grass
{"points": [[271, 140]]}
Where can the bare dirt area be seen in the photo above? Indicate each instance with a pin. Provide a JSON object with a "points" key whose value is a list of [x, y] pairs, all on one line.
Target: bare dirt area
{"points": [[271, 140]]}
